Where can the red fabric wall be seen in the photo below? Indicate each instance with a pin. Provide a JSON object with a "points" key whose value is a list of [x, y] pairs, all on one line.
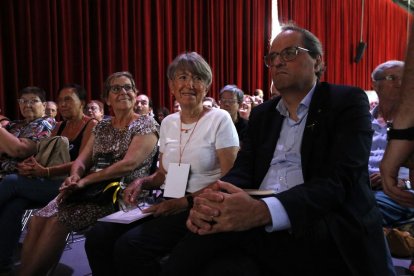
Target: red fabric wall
{"points": [[50, 42], [337, 23]]}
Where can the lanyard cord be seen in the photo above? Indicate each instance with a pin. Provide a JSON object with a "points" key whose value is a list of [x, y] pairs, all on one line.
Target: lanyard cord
{"points": [[191, 134]]}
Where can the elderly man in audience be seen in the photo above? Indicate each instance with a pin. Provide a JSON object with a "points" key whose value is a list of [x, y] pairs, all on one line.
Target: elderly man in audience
{"points": [[34, 185], [386, 81], [51, 109], [143, 106], [230, 99], [118, 151], [197, 147], [307, 153]]}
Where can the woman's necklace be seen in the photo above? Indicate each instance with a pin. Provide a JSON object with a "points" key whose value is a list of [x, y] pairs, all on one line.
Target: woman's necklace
{"points": [[185, 130]]}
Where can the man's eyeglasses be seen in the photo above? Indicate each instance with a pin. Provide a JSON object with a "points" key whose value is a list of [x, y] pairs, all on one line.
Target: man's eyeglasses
{"points": [[185, 78], [287, 54], [30, 102], [143, 102], [228, 101], [389, 78], [117, 88]]}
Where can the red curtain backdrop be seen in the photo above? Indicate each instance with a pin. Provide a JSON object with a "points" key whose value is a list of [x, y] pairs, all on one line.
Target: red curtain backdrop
{"points": [[337, 23], [51, 42]]}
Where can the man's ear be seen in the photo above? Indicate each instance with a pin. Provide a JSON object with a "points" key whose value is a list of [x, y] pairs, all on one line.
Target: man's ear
{"points": [[319, 63]]}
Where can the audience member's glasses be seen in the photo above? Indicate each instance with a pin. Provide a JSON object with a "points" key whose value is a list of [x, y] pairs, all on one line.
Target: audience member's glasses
{"points": [[247, 101], [228, 101], [117, 88], [93, 108], [185, 78], [389, 78], [287, 54], [143, 102], [30, 102]]}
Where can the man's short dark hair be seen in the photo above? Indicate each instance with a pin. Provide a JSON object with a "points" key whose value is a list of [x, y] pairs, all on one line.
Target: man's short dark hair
{"points": [[310, 42]]}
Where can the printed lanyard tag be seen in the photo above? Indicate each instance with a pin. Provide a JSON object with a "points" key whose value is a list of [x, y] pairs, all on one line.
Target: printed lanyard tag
{"points": [[176, 181]]}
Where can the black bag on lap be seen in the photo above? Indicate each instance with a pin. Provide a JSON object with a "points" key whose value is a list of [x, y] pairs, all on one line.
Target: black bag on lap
{"points": [[101, 193]]}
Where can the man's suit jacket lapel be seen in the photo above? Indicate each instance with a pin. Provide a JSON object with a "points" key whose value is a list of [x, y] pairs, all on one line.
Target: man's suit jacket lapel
{"points": [[317, 110]]}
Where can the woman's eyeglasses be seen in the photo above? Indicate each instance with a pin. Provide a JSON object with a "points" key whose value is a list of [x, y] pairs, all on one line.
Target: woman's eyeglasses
{"points": [[117, 88], [29, 102], [185, 78]]}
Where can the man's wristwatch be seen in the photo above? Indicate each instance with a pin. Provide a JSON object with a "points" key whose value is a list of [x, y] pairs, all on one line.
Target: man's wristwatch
{"points": [[190, 201], [400, 134]]}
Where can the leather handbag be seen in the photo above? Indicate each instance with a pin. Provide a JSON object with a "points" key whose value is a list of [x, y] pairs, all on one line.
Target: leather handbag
{"points": [[53, 151]]}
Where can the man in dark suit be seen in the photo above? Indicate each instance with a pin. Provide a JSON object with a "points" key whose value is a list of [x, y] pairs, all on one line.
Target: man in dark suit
{"points": [[310, 149]]}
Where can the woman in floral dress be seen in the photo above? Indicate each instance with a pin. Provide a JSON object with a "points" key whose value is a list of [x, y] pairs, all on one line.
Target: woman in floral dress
{"points": [[122, 147]]}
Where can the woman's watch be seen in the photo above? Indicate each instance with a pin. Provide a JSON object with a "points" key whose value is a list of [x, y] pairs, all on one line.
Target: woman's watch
{"points": [[399, 134]]}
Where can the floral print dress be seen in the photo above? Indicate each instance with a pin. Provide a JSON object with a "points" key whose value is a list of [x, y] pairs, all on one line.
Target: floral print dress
{"points": [[113, 143]]}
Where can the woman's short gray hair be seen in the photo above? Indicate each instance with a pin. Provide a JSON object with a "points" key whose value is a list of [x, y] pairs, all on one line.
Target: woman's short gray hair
{"points": [[107, 83], [234, 90], [192, 62]]}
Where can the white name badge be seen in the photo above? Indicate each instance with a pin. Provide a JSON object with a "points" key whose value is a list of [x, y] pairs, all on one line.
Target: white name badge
{"points": [[176, 181]]}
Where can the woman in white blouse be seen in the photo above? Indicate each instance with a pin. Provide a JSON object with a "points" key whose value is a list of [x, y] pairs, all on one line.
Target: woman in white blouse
{"points": [[197, 147]]}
